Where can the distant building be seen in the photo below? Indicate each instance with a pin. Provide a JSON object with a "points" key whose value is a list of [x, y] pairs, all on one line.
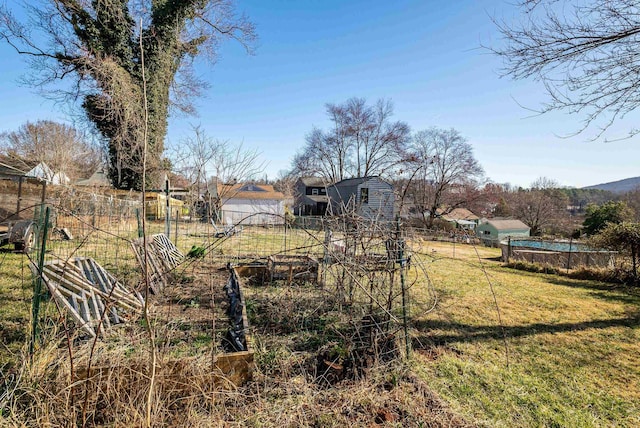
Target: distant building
{"points": [[251, 204], [310, 196], [462, 218], [492, 231], [369, 197], [98, 179], [33, 169], [156, 206]]}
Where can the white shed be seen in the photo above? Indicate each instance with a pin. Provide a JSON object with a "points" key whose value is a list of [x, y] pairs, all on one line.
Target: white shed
{"points": [[251, 204]]}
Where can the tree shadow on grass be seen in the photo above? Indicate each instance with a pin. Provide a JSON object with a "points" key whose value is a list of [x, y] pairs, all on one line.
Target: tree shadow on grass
{"points": [[594, 285], [465, 333], [611, 292]]}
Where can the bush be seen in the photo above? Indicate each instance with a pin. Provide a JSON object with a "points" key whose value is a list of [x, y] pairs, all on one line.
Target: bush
{"points": [[612, 276]]}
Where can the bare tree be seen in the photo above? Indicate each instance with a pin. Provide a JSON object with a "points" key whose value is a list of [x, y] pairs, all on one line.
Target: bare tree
{"points": [[212, 165], [232, 164], [448, 172], [364, 141], [99, 46], [326, 155], [285, 183], [540, 206], [63, 148], [192, 159], [585, 54]]}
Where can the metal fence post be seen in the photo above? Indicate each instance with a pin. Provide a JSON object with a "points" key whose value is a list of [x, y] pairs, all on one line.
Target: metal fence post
{"points": [[167, 213], [37, 287], [401, 260]]}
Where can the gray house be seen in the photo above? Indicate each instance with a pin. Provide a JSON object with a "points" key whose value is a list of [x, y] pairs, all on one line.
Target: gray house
{"points": [[310, 196], [369, 197], [491, 232]]}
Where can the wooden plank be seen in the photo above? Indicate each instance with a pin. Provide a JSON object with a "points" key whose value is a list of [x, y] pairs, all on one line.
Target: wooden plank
{"points": [[235, 368], [157, 281], [98, 308], [72, 286], [170, 254], [84, 310], [79, 285], [55, 293]]}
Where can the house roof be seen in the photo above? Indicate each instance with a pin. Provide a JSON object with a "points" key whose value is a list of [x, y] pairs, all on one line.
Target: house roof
{"points": [[249, 191], [507, 224], [313, 181], [352, 181], [460, 214], [97, 179], [357, 180]]}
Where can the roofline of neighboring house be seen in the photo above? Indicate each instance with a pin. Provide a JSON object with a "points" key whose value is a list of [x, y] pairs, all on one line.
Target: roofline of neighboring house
{"points": [[360, 180], [312, 181]]}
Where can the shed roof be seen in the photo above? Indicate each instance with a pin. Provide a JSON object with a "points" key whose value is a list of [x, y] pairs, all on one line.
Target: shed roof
{"points": [[249, 191], [97, 179], [508, 224]]}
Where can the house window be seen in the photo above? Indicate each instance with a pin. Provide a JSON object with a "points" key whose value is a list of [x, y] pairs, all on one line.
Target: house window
{"points": [[314, 191], [364, 195], [486, 232]]}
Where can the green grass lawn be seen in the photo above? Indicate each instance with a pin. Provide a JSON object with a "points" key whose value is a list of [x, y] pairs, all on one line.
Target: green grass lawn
{"points": [[16, 290], [566, 352], [501, 347]]}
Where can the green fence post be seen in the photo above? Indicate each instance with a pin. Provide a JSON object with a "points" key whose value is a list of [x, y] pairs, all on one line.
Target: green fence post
{"points": [[405, 298], [37, 288], [140, 230]]}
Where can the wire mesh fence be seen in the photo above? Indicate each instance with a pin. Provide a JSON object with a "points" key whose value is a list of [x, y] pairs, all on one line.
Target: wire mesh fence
{"points": [[356, 272], [567, 254], [338, 293]]}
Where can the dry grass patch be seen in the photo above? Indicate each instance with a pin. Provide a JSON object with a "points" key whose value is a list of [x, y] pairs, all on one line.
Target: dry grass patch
{"points": [[560, 351]]}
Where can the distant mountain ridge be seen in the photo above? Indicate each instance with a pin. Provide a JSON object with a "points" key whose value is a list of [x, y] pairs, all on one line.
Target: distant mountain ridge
{"points": [[620, 186]]}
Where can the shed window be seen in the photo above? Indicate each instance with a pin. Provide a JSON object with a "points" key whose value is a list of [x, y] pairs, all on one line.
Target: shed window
{"points": [[314, 191], [364, 195], [486, 232]]}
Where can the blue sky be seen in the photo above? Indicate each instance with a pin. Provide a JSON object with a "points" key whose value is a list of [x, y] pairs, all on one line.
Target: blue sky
{"points": [[423, 55]]}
